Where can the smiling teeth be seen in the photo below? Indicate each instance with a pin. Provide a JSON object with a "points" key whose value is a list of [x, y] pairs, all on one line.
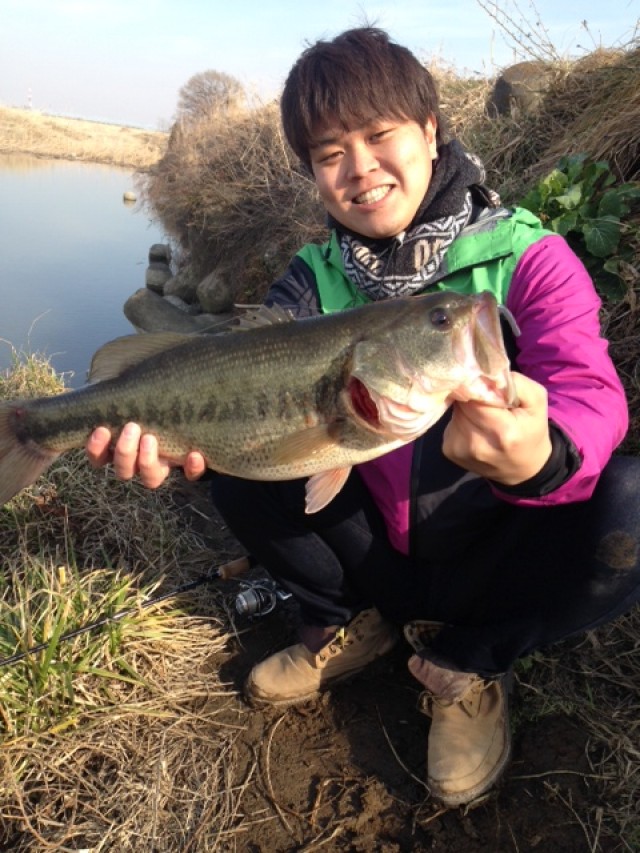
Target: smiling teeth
{"points": [[372, 195]]}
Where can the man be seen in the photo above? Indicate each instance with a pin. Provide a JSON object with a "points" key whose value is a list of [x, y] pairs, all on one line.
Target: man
{"points": [[498, 530]]}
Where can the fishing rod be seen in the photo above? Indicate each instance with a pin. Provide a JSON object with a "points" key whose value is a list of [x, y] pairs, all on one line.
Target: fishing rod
{"points": [[258, 599]]}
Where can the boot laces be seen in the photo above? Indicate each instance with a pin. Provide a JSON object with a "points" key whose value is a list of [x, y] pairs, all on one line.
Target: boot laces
{"points": [[344, 636], [469, 702]]}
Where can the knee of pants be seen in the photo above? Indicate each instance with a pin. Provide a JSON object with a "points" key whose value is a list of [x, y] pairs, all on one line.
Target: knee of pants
{"points": [[618, 502], [238, 499], [230, 495]]}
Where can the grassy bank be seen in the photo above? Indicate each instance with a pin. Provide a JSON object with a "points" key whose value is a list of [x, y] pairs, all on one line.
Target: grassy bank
{"points": [[27, 132], [133, 736]]}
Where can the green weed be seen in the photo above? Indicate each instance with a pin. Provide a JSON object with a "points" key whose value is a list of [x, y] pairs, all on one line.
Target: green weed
{"points": [[44, 611], [581, 200]]}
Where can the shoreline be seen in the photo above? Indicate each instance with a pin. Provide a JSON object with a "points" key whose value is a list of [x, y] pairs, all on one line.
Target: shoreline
{"points": [[79, 140]]}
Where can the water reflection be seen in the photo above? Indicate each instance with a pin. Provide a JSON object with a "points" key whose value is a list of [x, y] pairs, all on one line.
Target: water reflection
{"points": [[72, 252]]}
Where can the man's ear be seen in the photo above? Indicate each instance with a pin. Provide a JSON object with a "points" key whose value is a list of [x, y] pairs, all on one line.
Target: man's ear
{"points": [[430, 134]]}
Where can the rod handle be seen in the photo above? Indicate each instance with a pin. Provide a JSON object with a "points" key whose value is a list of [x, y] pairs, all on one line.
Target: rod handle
{"points": [[236, 567]]}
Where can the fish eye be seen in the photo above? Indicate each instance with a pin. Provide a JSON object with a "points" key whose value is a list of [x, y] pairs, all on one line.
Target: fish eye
{"points": [[440, 319]]}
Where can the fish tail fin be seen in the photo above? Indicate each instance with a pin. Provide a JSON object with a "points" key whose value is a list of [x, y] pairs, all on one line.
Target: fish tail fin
{"points": [[20, 463]]}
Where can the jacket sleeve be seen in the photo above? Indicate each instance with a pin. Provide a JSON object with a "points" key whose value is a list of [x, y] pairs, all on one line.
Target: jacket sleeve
{"points": [[556, 307], [296, 290]]}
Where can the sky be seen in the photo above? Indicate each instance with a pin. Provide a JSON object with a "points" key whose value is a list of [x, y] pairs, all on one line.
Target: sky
{"points": [[124, 61]]}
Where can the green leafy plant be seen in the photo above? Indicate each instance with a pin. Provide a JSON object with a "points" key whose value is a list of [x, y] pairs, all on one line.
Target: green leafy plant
{"points": [[581, 200]]}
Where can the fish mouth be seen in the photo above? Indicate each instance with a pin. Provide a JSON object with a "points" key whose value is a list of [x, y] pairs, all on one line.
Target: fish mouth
{"points": [[373, 195], [363, 404]]}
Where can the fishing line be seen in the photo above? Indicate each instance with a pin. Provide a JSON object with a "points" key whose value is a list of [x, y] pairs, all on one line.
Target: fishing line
{"points": [[225, 572]]}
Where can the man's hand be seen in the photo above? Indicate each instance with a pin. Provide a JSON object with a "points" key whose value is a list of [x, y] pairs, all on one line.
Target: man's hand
{"points": [[508, 446], [135, 453]]}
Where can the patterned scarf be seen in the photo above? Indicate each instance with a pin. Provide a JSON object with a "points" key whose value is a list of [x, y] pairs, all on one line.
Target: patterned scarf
{"points": [[408, 262]]}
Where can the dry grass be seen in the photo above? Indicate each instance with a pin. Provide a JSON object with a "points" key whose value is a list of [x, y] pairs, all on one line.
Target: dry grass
{"points": [[129, 743], [596, 679], [595, 108], [621, 327], [26, 132], [153, 769], [233, 194], [591, 106]]}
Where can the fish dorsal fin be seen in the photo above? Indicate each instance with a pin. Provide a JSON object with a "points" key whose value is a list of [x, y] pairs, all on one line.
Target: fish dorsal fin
{"points": [[117, 355], [264, 316]]}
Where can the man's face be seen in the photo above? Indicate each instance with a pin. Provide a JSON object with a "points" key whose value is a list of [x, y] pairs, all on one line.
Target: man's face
{"points": [[372, 179]]}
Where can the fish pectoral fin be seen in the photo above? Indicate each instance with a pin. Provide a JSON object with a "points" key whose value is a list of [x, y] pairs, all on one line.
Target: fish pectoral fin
{"points": [[116, 356], [301, 445], [263, 316], [322, 488]]}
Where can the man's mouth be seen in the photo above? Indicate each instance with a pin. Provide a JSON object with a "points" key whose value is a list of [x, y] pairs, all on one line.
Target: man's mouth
{"points": [[371, 196]]}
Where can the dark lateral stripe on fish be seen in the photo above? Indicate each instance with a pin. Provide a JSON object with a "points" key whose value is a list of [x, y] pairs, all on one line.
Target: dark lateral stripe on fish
{"points": [[282, 401]]}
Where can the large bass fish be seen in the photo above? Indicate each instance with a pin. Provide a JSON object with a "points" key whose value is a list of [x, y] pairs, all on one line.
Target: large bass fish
{"points": [[280, 400]]}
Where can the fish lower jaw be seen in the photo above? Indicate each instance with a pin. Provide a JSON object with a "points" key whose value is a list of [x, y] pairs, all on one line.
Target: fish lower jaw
{"points": [[493, 391], [406, 424]]}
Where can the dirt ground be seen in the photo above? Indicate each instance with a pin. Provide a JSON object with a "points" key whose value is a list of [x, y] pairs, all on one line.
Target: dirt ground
{"points": [[345, 773]]}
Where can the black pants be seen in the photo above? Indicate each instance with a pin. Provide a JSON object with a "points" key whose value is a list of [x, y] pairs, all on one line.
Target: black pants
{"points": [[541, 575]]}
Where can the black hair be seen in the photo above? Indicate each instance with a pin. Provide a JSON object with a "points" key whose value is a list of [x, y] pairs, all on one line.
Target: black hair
{"points": [[356, 77]]}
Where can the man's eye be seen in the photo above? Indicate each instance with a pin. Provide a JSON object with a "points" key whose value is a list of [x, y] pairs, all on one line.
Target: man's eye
{"points": [[331, 157]]}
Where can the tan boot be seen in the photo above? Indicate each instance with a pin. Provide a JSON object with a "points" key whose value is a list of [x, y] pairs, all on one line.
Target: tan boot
{"points": [[296, 674], [469, 740]]}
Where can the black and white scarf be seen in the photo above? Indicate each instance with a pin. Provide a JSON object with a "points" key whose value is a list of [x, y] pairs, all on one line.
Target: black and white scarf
{"points": [[408, 262]]}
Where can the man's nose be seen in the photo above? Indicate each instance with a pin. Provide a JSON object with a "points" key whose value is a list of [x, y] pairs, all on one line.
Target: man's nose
{"points": [[361, 160]]}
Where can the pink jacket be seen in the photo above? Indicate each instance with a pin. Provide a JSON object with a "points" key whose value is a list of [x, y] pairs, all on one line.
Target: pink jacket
{"points": [[554, 302]]}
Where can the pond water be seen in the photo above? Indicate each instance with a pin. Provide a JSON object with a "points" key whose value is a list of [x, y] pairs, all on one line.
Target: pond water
{"points": [[71, 254]]}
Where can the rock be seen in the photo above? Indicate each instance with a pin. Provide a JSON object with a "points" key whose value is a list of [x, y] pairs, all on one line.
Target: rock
{"points": [[520, 88], [184, 284], [215, 294], [149, 312], [157, 275], [160, 252], [191, 309]]}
